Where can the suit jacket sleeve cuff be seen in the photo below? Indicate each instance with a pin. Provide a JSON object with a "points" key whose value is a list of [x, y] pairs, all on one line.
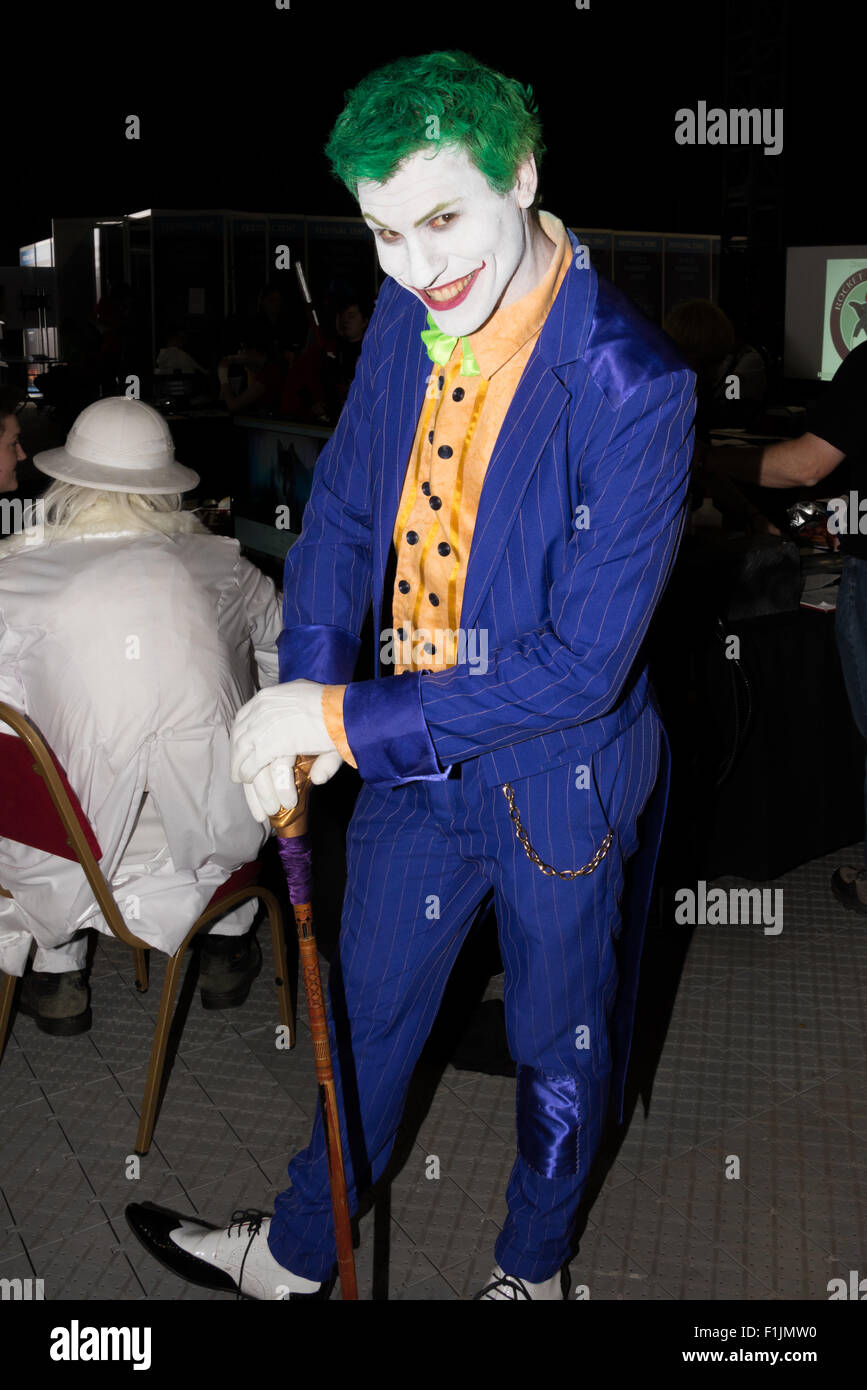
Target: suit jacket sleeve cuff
{"points": [[332, 714], [317, 652], [385, 725]]}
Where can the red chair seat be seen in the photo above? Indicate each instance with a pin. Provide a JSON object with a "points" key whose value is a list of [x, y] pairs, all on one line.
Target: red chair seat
{"points": [[27, 813], [241, 878]]}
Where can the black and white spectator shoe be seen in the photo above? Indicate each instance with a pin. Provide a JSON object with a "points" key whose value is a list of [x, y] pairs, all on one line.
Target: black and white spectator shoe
{"points": [[507, 1287], [234, 1258]]}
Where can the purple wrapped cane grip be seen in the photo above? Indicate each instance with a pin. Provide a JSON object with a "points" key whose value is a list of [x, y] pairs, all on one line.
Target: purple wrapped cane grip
{"points": [[297, 862]]}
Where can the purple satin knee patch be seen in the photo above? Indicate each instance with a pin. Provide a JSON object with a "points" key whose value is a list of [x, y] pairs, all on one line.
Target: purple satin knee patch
{"points": [[548, 1123]]}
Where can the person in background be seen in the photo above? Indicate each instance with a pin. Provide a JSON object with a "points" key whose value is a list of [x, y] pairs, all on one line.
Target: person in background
{"points": [[11, 453], [280, 321], [706, 338], [117, 322], [72, 383], [130, 636], [18, 486], [338, 371], [837, 436], [174, 357], [317, 383], [266, 374]]}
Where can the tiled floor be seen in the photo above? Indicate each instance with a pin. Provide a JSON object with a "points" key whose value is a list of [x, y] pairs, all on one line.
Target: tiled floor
{"points": [[762, 1069]]}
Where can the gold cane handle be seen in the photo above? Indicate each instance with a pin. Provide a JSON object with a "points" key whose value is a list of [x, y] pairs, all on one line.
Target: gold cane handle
{"points": [[288, 824]]}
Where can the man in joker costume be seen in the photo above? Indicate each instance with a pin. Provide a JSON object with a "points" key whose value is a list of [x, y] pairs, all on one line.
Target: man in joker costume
{"points": [[506, 484]]}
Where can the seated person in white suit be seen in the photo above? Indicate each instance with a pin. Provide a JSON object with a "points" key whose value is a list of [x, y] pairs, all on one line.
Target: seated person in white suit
{"points": [[130, 636]]}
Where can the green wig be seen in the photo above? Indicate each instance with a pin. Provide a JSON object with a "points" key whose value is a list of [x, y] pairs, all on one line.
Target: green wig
{"points": [[436, 99]]}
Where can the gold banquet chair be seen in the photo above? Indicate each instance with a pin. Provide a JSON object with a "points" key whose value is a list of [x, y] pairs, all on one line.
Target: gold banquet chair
{"points": [[39, 808]]}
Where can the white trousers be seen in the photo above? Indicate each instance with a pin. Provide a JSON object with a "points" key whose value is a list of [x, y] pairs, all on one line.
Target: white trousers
{"points": [[147, 840]]}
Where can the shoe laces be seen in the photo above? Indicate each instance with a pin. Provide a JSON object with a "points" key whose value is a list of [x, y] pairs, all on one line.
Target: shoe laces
{"points": [[508, 1286], [252, 1218]]}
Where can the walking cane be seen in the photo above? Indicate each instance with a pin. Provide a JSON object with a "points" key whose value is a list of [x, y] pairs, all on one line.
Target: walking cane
{"points": [[293, 843]]}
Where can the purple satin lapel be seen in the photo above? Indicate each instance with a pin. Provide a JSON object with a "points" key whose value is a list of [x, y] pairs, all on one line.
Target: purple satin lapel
{"points": [[623, 349]]}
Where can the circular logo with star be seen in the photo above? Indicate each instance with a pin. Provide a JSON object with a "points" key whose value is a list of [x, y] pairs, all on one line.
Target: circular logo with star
{"points": [[848, 320]]}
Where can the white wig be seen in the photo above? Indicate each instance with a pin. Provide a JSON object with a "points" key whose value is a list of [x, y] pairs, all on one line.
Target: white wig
{"points": [[68, 509]]}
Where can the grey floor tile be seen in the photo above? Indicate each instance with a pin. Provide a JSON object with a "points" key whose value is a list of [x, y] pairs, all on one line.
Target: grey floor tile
{"points": [[123, 1032], [18, 1084], [471, 1273], [602, 1270], [842, 1099], [217, 1200], [764, 1059], [738, 1088], [681, 1116], [259, 1110], [756, 1227], [292, 1068], [46, 1192], [275, 1165], [678, 1255], [97, 1118], [66, 1206], [198, 1142], [789, 1158], [87, 1266], [490, 1098], [433, 1290], [57, 1063], [117, 1185], [15, 1262], [455, 1132], [439, 1218], [387, 1261]]}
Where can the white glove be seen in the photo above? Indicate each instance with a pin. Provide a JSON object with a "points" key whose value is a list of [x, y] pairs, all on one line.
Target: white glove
{"points": [[274, 786], [278, 725]]}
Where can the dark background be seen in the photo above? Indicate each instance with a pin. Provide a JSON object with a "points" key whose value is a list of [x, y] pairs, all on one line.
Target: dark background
{"points": [[236, 103]]}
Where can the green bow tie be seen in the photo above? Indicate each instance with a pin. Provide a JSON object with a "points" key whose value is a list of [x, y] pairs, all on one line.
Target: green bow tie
{"points": [[440, 348]]}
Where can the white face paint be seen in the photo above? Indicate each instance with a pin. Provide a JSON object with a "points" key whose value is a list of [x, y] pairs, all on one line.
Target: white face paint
{"points": [[438, 224]]}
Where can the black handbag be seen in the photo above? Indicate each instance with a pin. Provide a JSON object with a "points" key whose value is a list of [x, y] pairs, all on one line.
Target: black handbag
{"points": [[762, 577]]}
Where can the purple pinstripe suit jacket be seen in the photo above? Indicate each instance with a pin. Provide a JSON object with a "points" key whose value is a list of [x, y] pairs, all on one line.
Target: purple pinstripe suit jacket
{"points": [[601, 419]]}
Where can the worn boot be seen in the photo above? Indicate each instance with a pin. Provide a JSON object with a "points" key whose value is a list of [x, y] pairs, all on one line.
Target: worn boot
{"points": [[229, 965], [59, 1004], [849, 886]]}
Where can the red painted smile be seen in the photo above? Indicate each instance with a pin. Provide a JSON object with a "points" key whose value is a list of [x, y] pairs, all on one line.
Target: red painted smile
{"points": [[451, 295]]}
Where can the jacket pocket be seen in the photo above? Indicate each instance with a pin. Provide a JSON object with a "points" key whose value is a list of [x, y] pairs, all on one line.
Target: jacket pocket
{"points": [[559, 818]]}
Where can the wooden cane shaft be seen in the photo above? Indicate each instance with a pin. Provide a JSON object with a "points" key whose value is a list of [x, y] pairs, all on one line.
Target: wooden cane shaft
{"points": [[316, 1009], [339, 1199], [328, 1100]]}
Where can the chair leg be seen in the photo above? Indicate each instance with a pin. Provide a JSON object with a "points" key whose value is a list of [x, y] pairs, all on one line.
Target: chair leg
{"points": [[7, 994], [281, 966], [140, 964], [158, 1052]]}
